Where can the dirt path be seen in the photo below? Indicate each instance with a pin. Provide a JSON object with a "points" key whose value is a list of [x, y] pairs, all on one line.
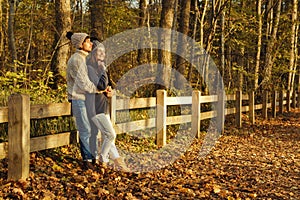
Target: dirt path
{"points": [[259, 161]]}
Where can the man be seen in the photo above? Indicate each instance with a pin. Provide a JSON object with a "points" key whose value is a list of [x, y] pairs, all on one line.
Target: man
{"points": [[78, 84]]}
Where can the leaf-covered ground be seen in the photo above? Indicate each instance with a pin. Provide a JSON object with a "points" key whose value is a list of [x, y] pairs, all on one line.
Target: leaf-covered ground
{"points": [[260, 161]]}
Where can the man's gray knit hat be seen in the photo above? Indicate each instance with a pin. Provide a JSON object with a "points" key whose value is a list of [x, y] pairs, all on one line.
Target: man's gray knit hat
{"points": [[77, 38]]}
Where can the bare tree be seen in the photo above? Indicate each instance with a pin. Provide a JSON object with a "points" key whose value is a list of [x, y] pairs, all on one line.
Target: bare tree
{"points": [[184, 21], [61, 47], [259, 43], [165, 39], [223, 41], [27, 67], [11, 32], [202, 21], [1, 32], [97, 18], [271, 51], [141, 57], [292, 66]]}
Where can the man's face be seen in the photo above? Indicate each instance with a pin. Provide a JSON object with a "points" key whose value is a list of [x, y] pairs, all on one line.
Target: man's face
{"points": [[87, 45]]}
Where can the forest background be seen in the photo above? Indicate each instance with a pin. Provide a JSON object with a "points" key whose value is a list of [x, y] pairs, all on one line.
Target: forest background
{"points": [[253, 43]]}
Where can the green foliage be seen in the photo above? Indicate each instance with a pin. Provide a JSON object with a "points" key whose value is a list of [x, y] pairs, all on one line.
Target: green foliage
{"points": [[36, 85], [40, 127]]}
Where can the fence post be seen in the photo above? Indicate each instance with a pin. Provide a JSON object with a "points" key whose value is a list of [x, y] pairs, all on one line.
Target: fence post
{"points": [[112, 110], [298, 97], [294, 98], [112, 113], [238, 108], [196, 113], [221, 110], [18, 136], [274, 100], [288, 101], [161, 118], [265, 105], [252, 107], [281, 101]]}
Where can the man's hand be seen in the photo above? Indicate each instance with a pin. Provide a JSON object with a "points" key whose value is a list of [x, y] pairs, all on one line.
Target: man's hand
{"points": [[109, 92]]}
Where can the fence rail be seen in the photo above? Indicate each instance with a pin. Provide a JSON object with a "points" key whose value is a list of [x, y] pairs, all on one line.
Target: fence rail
{"points": [[19, 112]]}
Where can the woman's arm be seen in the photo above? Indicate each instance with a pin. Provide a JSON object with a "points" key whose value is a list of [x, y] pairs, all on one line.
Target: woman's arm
{"points": [[99, 80]]}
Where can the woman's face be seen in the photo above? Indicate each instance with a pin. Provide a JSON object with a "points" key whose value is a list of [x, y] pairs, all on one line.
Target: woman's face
{"points": [[100, 54]]}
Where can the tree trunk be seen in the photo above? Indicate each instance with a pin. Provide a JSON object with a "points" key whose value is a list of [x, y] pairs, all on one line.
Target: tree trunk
{"points": [[141, 57], [223, 43], [195, 17], [229, 50], [1, 34], [61, 51], [11, 33], [271, 50], [293, 47], [165, 39], [27, 67], [97, 18], [184, 22], [204, 6], [259, 42], [297, 68]]}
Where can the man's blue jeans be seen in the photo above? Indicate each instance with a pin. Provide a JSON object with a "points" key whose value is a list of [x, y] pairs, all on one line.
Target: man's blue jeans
{"points": [[84, 128]]}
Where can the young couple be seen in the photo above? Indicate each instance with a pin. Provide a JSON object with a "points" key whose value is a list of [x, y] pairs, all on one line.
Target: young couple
{"points": [[88, 92]]}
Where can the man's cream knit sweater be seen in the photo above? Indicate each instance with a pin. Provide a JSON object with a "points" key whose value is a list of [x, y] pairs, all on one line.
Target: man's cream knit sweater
{"points": [[78, 82]]}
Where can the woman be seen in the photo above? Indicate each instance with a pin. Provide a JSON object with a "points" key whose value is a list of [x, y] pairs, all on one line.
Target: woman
{"points": [[97, 107]]}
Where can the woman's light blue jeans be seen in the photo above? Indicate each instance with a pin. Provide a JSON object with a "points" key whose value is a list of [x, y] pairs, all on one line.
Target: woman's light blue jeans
{"points": [[108, 136], [84, 129]]}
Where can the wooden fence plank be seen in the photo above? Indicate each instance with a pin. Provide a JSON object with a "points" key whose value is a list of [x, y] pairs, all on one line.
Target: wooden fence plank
{"points": [[135, 103], [135, 125], [230, 97], [18, 136], [3, 114], [208, 115], [209, 99], [3, 150], [179, 100], [50, 110], [228, 111], [53, 141]]}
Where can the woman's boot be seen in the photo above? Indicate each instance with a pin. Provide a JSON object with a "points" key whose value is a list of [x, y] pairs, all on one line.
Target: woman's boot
{"points": [[120, 164]]}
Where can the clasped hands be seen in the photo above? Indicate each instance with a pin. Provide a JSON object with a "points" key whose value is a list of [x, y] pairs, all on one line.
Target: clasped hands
{"points": [[108, 91]]}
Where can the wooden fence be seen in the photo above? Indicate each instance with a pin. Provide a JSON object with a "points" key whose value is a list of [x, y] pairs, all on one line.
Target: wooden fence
{"points": [[19, 113]]}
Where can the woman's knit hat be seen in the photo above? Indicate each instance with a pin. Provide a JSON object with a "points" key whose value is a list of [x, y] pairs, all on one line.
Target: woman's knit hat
{"points": [[97, 44], [77, 38]]}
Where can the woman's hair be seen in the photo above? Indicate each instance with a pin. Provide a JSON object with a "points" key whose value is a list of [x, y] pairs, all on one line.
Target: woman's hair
{"points": [[91, 58]]}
